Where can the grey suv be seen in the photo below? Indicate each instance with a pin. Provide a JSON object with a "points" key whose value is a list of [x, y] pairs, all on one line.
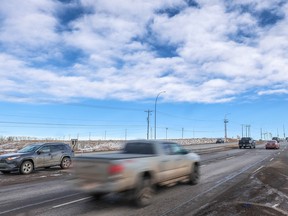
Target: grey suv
{"points": [[37, 155]]}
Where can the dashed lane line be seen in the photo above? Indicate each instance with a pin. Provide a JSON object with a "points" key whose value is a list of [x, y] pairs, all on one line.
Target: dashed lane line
{"points": [[68, 203], [35, 204], [258, 169]]}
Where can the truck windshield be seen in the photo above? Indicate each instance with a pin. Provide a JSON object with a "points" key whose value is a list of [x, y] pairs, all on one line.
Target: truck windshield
{"points": [[139, 148]]}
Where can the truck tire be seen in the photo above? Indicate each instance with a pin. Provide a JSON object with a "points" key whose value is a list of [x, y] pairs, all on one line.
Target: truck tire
{"points": [[26, 167], [194, 175], [143, 193]]}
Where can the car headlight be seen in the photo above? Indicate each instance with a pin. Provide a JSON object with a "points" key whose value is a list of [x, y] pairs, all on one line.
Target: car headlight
{"points": [[12, 158]]}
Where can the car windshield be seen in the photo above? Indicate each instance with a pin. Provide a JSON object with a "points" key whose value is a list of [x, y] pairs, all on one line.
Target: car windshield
{"points": [[29, 148]]}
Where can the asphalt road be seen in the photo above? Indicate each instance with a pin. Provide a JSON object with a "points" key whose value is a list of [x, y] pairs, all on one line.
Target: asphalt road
{"points": [[50, 192]]}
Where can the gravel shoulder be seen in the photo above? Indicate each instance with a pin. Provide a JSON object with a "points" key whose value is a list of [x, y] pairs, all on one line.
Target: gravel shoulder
{"points": [[264, 192]]}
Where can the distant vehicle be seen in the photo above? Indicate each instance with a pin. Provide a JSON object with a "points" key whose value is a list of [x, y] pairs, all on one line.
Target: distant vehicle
{"points": [[37, 155], [272, 144], [276, 138], [245, 142], [286, 138], [220, 140], [140, 166]]}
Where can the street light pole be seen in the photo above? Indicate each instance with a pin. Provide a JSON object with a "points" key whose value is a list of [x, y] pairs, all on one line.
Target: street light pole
{"points": [[155, 124]]}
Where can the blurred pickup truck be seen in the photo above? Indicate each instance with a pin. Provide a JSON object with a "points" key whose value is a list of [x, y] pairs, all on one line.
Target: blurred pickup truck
{"points": [[136, 170]]}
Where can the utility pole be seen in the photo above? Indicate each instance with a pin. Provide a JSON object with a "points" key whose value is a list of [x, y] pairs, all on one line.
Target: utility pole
{"points": [[284, 131], [166, 132], [225, 127], [277, 133], [148, 122], [261, 133]]}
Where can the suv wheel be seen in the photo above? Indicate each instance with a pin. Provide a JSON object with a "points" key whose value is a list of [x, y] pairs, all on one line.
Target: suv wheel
{"points": [[26, 167], [65, 163]]}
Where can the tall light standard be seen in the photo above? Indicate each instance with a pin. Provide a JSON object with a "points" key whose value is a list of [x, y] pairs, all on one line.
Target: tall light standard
{"points": [[155, 124]]}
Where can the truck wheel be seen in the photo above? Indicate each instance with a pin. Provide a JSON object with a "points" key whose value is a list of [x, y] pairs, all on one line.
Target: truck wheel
{"points": [[194, 175], [240, 147], [143, 193], [26, 167], [65, 163]]}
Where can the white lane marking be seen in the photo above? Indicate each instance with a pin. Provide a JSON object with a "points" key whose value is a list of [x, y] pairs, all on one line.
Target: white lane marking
{"points": [[203, 165], [68, 203], [39, 203], [278, 153], [229, 158], [271, 159], [258, 169]]}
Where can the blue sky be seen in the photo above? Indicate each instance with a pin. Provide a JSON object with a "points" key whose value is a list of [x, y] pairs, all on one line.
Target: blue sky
{"points": [[91, 68]]}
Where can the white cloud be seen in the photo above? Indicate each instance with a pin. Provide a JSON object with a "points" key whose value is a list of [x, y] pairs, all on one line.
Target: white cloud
{"points": [[272, 92], [215, 54]]}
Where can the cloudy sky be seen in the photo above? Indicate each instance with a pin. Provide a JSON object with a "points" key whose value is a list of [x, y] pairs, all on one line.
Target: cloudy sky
{"points": [[78, 67]]}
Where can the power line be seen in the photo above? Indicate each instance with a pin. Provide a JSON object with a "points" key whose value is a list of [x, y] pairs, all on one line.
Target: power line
{"points": [[190, 119], [63, 124]]}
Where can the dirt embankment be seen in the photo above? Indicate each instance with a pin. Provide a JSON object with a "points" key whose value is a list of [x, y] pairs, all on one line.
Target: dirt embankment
{"points": [[263, 193]]}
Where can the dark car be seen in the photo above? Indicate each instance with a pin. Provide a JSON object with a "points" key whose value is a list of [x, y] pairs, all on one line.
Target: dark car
{"points": [[220, 140], [37, 155], [272, 144], [276, 138], [245, 142]]}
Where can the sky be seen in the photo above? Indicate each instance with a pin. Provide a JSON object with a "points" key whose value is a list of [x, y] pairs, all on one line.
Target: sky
{"points": [[95, 69]]}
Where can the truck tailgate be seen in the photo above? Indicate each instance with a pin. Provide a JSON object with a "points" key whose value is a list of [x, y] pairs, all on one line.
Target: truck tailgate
{"points": [[91, 169]]}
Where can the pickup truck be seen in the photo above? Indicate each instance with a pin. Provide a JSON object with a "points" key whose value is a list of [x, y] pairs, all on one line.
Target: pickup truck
{"points": [[247, 142], [136, 170]]}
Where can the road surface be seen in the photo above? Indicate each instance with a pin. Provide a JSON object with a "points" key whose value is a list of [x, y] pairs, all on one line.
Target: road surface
{"points": [[50, 192]]}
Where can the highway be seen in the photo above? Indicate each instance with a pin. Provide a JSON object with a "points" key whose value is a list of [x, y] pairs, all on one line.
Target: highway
{"points": [[50, 192]]}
